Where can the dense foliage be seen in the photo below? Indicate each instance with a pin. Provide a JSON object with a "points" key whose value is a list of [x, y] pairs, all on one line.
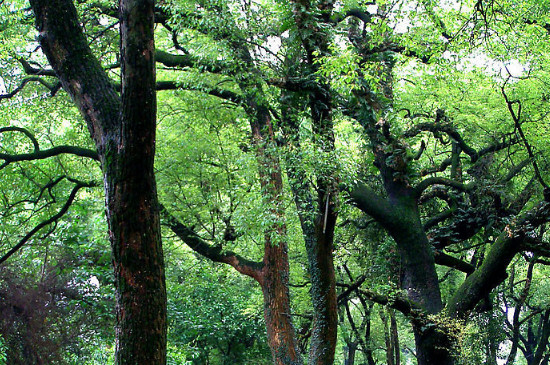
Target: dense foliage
{"points": [[338, 181]]}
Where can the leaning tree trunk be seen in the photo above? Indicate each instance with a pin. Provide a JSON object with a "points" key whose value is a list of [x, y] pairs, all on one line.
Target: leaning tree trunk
{"points": [[124, 134]]}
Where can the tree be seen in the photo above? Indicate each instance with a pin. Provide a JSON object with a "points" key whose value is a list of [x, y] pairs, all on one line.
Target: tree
{"points": [[343, 108], [123, 129]]}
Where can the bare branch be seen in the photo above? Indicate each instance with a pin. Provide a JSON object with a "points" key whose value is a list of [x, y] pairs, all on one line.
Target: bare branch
{"points": [[26, 132], [31, 70], [43, 154], [516, 117]]}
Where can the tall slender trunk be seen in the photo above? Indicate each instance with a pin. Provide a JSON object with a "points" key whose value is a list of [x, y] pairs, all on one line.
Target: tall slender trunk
{"points": [[394, 337], [275, 273], [318, 221]]}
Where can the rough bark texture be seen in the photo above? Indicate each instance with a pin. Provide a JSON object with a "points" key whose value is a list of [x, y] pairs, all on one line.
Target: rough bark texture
{"points": [[124, 134], [318, 223], [277, 313], [275, 274]]}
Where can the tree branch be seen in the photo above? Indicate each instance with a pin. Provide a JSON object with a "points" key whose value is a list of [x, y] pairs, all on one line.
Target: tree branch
{"points": [[24, 82], [516, 117], [53, 219], [371, 203], [426, 183], [493, 269], [396, 301], [187, 60], [220, 93], [43, 154], [441, 258], [216, 254], [26, 132]]}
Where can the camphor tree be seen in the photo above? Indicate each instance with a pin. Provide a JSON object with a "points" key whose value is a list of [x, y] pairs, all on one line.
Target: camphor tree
{"points": [[123, 129], [377, 105]]}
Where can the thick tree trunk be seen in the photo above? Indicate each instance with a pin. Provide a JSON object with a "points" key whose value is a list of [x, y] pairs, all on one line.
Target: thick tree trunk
{"points": [[131, 195], [433, 346], [421, 283], [124, 133], [400, 217]]}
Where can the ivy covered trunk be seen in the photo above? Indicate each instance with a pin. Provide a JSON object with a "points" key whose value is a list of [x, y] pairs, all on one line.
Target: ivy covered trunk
{"points": [[399, 214], [124, 134], [317, 214]]}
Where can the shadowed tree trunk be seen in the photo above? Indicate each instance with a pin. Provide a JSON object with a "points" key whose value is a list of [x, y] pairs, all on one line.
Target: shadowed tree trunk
{"points": [[123, 130]]}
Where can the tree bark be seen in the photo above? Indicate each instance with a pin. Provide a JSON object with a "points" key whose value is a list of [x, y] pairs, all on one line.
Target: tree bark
{"points": [[275, 273], [124, 134], [399, 215]]}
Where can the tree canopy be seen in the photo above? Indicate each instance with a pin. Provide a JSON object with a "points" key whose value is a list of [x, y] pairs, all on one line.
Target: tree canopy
{"points": [[311, 181]]}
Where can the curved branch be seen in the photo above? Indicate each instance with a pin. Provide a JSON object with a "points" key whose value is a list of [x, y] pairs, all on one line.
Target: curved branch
{"points": [[436, 180], [446, 128], [43, 154], [371, 203], [24, 82], [357, 13], [53, 219], [26, 132], [216, 254]]}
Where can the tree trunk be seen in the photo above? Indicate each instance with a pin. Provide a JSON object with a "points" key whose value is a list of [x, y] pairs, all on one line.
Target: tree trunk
{"points": [[400, 217], [317, 221], [387, 337], [277, 313], [394, 337], [124, 134], [350, 349], [131, 194], [275, 273]]}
